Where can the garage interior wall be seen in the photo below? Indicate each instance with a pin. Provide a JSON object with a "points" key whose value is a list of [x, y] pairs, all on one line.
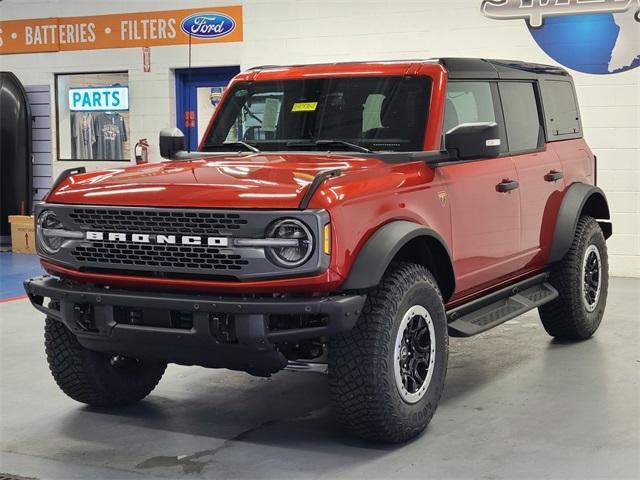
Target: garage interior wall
{"points": [[313, 31]]}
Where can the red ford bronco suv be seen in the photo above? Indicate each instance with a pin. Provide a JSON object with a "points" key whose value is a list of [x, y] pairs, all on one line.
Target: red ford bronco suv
{"points": [[353, 213]]}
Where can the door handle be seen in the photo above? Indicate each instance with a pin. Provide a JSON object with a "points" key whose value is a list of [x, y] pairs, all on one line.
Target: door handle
{"points": [[507, 186], [553, 176]]}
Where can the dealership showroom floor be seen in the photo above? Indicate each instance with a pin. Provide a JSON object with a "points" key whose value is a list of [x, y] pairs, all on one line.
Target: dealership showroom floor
{"points": [[516, 405]]}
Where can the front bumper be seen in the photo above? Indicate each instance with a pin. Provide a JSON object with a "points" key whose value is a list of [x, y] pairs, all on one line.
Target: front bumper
{"points": [[211, 331]]}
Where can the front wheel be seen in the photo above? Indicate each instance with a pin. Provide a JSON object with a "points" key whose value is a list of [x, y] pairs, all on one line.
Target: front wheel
{"points": [[387, 374], [95, 378], [582, 280]]}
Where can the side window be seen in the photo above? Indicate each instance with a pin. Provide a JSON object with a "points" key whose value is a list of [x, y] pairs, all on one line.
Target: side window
{"points": [[468, 102], [561, 109], [471, 102], [521, 115]]}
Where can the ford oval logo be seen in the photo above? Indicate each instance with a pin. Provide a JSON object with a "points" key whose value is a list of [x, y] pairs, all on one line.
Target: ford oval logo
{"points": [[208, 25]]}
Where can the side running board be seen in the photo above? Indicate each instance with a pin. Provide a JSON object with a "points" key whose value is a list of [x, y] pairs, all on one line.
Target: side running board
{"points": [[487, 312]]}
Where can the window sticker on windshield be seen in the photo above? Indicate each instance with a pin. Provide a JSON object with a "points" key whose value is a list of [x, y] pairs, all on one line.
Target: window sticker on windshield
{"points": [[270, 116], [304, 107]]}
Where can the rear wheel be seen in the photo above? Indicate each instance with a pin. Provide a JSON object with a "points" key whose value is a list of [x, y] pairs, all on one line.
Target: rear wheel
{"points": [[96, 378], [582, 279], [387, 374]]}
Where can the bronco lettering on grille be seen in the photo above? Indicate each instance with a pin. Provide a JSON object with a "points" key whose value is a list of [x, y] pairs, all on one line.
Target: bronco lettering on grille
{"points": [[159, 239]]}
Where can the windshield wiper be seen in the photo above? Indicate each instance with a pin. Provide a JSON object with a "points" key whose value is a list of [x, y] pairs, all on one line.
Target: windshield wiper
{"points": [[246, 145], [329, 142]]}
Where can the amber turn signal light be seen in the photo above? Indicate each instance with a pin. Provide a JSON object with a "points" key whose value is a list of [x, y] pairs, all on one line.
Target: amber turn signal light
{"points": [[327, 239]]}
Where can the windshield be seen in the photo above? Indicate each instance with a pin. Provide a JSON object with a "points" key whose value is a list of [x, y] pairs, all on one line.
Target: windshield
{"points": [[355, 113]]}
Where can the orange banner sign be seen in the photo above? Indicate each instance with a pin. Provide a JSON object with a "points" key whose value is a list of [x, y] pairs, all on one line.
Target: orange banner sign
{"points": [[141, 29]]}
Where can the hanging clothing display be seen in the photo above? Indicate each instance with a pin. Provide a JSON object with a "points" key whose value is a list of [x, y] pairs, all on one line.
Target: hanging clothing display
{"points": [[83, 136], [111, 134]]}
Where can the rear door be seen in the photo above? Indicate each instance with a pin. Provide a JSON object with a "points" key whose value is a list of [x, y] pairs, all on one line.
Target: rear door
{"points": [[538, 167], [485, 222]]}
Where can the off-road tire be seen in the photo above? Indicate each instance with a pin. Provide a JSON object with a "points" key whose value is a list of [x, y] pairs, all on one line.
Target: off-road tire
{"points": [[365, 398], [567, 317], [89, 377]]}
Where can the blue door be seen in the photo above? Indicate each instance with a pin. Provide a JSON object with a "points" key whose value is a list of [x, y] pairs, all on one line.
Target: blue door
{"points": [[197, 94]]}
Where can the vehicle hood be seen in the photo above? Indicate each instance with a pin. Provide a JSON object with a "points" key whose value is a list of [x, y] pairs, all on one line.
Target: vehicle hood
{"points": [[225, 181]]}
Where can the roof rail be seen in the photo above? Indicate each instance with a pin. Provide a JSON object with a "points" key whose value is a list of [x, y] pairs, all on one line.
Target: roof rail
{"points": [[358, 62], [458, 67]]}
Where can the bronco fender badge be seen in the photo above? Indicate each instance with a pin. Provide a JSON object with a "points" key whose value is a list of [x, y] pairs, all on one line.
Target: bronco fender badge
{"points": [[442, 196]]}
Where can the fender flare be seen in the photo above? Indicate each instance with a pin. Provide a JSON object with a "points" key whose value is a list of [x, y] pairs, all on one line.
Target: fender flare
{"points": [[577, 197], [381, 248]]}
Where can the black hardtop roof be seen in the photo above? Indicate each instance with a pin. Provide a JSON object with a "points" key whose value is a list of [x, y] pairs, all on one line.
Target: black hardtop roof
{"points": [[464, 68], [481, 68]]}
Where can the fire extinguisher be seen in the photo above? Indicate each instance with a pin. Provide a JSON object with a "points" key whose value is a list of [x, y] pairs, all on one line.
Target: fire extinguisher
{"points": [[141, 150]]}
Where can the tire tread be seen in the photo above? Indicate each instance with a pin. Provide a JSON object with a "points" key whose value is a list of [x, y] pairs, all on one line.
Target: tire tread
{"points": [[360, 394], [565, 318], [80, 373]]}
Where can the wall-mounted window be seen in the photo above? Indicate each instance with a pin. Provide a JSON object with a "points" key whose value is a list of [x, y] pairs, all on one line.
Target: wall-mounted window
{"points": [[93, 116]]}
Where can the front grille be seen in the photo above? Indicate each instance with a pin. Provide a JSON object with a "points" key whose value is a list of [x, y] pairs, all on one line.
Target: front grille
{"points": [[170, 221], [174, 258], [177, 242], [169, 256]]}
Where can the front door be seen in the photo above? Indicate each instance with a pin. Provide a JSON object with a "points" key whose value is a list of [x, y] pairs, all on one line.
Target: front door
{"points": [[485, 222], [198, 91], [483, 194]]}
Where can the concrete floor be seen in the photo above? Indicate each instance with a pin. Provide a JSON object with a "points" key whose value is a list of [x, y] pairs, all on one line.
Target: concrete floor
{"points": [[516, 405]]}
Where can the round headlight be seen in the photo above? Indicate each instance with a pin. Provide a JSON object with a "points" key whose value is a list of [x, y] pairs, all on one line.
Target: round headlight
{"points": [[298, 252], [48, 220]]}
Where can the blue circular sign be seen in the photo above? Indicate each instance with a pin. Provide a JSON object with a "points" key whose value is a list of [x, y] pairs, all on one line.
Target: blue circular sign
{"points": [[601, 43]]}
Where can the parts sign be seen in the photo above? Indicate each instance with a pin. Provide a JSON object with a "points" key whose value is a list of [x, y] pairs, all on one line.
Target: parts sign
{"points": [[140, 29], [98, 99]]}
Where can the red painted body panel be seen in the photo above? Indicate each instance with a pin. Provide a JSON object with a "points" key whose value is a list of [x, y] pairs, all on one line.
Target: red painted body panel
{"points": [[224, 181], [485, 223], [540, 200], [493, 237], [577, 161]]}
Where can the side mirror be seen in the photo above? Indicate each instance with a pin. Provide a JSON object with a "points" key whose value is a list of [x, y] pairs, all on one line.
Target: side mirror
{"points": [[469, 141], [171, 142]]}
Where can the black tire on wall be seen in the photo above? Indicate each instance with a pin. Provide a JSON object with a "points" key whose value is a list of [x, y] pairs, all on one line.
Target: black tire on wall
{"points": [[95, 378], [582, 279], [399, 341]]}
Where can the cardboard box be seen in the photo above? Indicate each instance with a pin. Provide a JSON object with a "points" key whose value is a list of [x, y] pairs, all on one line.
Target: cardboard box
{"points": [[23, 235]]}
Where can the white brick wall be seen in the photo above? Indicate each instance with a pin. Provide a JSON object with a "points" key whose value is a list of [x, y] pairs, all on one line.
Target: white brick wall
{"points": [[306, 31]]}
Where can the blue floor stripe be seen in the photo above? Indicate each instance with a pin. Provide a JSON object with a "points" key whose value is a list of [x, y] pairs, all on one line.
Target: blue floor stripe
{"points": [[14, 268]]}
